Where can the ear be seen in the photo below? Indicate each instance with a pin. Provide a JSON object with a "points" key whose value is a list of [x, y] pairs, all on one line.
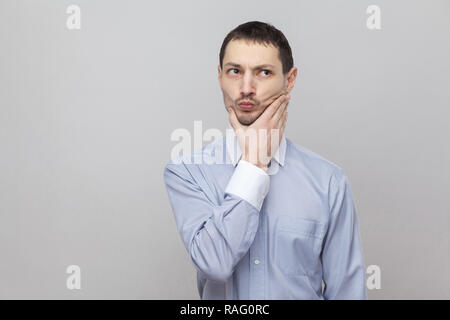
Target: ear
{"points": [[290, 78], [219, 75]]}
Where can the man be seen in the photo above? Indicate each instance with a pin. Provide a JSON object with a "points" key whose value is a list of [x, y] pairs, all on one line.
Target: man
{"points": [[277, 227]]}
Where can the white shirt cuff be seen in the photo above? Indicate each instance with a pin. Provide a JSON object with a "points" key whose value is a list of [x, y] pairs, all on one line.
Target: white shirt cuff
{"points": [[249, 183]]}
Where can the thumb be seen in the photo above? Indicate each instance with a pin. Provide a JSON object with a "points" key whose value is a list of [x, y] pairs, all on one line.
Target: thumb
{"points": [[233, 119]]}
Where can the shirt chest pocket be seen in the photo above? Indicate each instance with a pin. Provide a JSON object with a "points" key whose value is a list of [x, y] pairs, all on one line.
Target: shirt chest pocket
{"points": [[298, 244]]}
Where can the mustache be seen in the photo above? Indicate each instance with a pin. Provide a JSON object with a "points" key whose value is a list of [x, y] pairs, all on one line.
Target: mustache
{"points": [[247, 100], [269, 101]]}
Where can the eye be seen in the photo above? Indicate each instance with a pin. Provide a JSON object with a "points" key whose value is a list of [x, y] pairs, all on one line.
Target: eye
{"points": [[232, 70], [268, 72]]}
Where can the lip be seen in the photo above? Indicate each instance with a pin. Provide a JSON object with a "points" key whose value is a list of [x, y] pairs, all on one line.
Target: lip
{"points": [[246, 105]]}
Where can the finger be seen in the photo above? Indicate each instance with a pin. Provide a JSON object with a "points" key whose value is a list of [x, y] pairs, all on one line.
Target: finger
{"points": [[270, 111], [280, 126], [283, 126], [282, 100], [277, 113], [281, 110], [282, 120]]}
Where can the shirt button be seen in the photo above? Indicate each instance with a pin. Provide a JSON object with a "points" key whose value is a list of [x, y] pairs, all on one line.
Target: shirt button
{"points": [[256, 261]]}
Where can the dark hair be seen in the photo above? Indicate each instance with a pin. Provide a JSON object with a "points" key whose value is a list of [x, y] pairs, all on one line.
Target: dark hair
{"points": [[262, 33]]}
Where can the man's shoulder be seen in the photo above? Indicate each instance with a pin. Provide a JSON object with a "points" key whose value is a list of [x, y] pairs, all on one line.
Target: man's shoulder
{"points": [[312, 161], [210, 153]]}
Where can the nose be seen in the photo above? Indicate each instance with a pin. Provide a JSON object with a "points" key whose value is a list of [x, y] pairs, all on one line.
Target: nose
{"points": [[247, 85]]}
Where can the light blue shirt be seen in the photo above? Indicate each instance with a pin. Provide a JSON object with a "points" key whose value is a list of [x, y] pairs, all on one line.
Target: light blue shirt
{"points": [[253, 234]]}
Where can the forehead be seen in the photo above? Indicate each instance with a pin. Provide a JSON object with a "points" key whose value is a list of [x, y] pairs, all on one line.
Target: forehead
{"points": [[251, 53]]}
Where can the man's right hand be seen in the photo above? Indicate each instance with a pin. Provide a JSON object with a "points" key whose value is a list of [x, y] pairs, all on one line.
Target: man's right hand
{"points": [[255, 148]]}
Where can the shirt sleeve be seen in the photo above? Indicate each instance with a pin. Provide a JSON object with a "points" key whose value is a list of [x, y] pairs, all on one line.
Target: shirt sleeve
{"points": [[342, 254], [216, 236], [249, 183]]}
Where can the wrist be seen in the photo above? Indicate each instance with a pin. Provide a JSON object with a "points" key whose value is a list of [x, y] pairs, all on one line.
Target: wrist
{"points": [[262, 166], [257, 164]]}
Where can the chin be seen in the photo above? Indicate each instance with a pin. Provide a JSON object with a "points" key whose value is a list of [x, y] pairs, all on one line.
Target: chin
{"points": [[247, 118], [246, 122]]}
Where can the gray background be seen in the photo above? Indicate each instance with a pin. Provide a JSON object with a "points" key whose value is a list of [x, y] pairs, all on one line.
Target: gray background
{"points": [[86, 118]]}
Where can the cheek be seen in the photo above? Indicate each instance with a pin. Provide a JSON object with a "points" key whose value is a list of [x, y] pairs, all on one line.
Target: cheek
{"points": [[271, 93], [229, 90]]}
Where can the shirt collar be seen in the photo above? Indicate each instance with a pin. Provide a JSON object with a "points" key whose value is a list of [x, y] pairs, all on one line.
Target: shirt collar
{"points": [[234, 151]]}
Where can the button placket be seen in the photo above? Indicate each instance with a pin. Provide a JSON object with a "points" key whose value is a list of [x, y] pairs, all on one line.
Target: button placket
{"points": [[257, 268]]}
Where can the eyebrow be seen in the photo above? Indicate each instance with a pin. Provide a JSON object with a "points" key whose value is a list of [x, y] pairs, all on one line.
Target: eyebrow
{"points": [[261, 66]]}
